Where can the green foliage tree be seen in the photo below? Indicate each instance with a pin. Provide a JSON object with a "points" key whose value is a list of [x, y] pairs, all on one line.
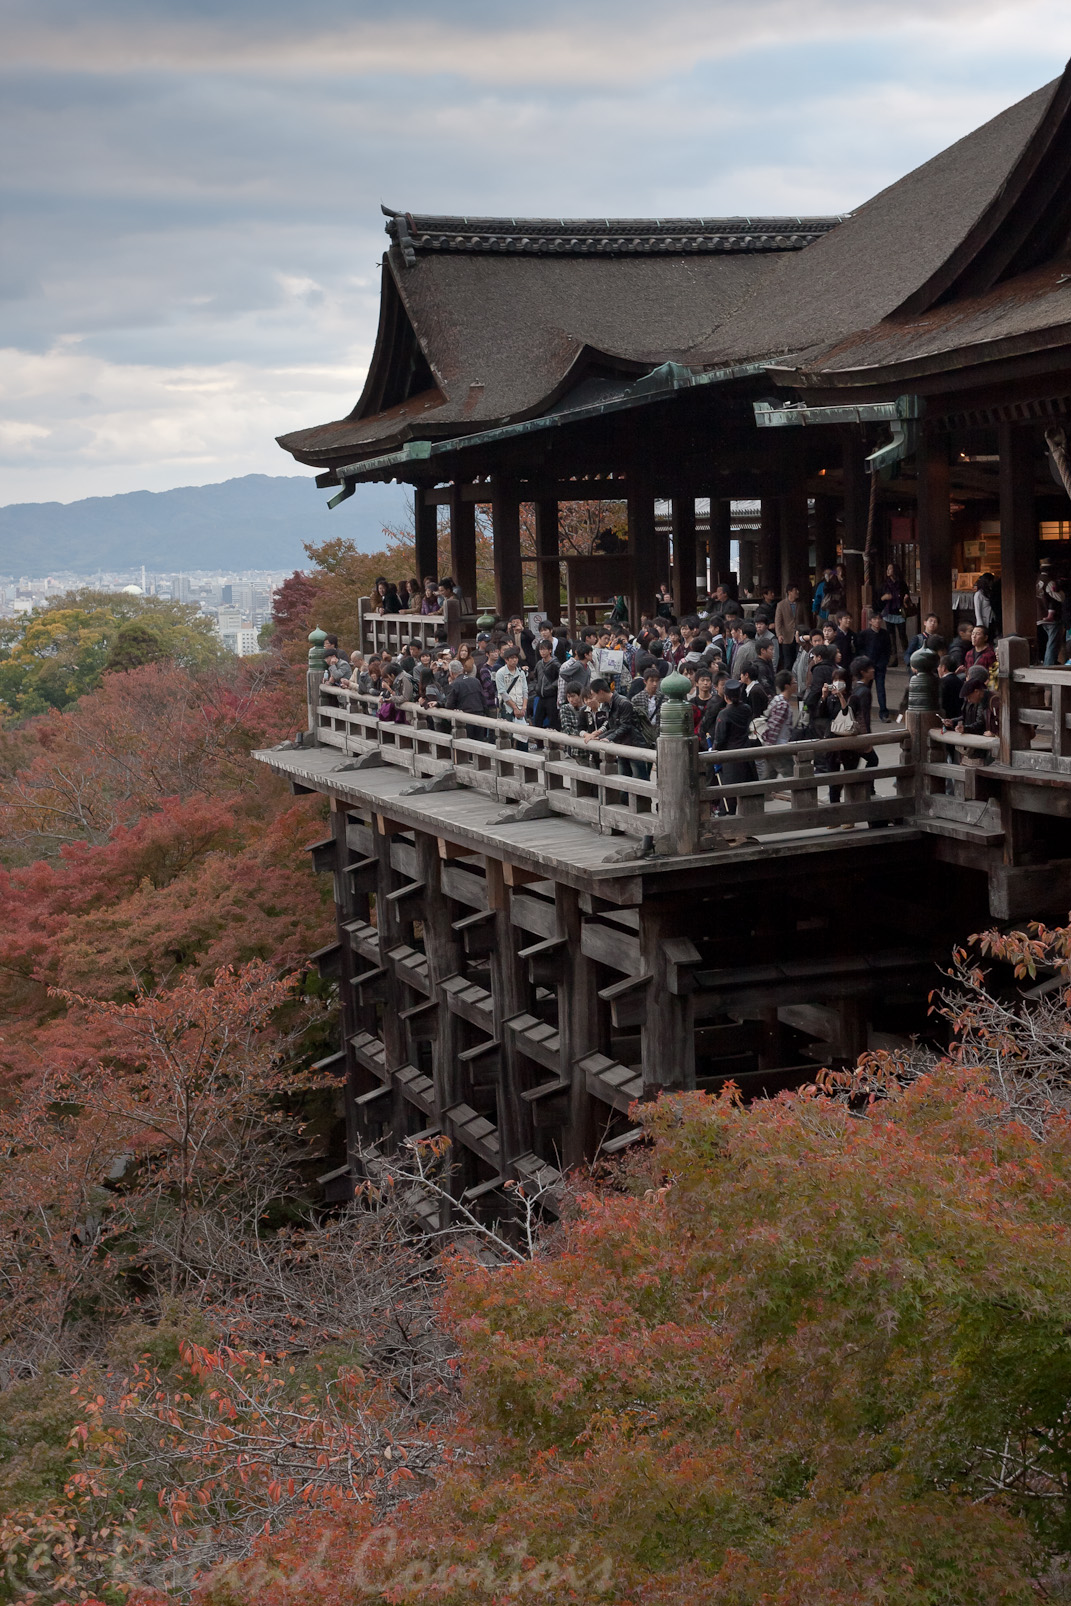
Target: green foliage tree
{"points": [[54, 655], [133, 645]]}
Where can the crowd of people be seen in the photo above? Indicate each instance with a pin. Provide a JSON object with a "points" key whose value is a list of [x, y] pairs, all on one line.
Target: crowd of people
{"points": [[784, 674]]}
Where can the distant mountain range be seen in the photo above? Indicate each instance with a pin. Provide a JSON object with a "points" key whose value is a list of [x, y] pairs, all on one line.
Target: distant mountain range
{"points": [[257, 522]]}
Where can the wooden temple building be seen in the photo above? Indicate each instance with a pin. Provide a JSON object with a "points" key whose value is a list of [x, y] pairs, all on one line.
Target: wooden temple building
{"points": [[528, 943]]}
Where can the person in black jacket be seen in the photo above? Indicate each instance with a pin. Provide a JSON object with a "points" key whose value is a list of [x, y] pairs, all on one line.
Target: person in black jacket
{"points": [[617, 721], [875, 643], [844, 639], [949, 690], [822, 670], [713, 709], [543, 687], [466, 695], [731, 730], [755, 694]]}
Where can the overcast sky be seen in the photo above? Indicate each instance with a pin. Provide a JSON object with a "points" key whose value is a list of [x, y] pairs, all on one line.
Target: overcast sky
{"points": [[192, 234]]}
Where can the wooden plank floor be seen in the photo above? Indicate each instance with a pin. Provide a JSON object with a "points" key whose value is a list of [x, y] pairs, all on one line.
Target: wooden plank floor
{"points": [[564, 849]]}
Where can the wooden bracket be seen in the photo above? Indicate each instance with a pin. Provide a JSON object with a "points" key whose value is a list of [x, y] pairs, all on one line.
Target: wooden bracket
{"points": [[514, 876], [453, 850]]}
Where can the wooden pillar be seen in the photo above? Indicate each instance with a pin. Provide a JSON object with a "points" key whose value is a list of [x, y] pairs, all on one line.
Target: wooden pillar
{"points": [[748, 575], [510, 995], [684, 554], [663, 562], [548, 567], [463, 548], [667, 1036], [444, 959], [426, 520], [1018, 531], [642, 546], [856, 509], [795, 544], [388, 925], [825, 534], [721, 562], [580, 1027], [769, 553], [348, 906], [935, 530], [506, 525]]}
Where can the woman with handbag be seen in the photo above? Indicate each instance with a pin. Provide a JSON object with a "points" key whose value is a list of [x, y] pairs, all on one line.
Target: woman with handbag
{"points": [[853, 719]]}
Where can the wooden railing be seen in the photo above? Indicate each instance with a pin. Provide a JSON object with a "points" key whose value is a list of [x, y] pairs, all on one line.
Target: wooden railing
{"points": [[386, 635], [1035, 709], [807, 772], [679, 804], [483, 752]]}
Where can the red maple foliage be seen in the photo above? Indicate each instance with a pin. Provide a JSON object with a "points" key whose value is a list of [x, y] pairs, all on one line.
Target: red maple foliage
{"points": [[156, 848]]}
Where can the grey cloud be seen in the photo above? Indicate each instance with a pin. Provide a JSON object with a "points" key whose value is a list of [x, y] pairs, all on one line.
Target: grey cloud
{"points": [[602, 40]]}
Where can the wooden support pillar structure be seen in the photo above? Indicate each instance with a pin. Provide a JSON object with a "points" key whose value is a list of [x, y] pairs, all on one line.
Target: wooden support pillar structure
{"points": [[935, 530], [426, 521], [749, 574], [548, 560], [720, 537], [388, 925], [856, 511], [769, 549], [684, 554], [510, 995], [350, 905], [825, 534], [667, 1036], [506, 524], [1018, 530], [795, 544], [642, 546], [463, 547], [443, 953], [582, 1026]]}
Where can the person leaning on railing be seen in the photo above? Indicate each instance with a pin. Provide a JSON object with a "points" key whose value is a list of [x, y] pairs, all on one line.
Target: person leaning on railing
{"points": [[465, 696], [392, 694], [385, 598], [979, 713], [620, 723]]}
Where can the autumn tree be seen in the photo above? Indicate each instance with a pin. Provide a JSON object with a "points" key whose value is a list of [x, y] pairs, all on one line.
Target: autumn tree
{"points": [[55, 654], [812, 1349]]}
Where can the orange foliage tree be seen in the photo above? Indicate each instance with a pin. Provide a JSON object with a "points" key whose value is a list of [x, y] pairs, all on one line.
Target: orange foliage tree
{"points": [[815, 1350]]}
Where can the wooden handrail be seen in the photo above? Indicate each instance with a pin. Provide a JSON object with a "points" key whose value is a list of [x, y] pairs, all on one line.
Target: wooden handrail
{"points": [[457, 716], [986, 744], [828, 744]]}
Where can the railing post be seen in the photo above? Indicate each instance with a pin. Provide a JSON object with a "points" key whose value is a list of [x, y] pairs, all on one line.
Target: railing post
{"points": [[1013, 652], [677, 761], [362, 603], [314, 679], [919, 723]]}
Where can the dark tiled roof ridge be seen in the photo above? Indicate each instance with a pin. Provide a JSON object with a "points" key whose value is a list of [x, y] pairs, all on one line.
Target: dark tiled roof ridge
{"points": [[607, 236]]}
